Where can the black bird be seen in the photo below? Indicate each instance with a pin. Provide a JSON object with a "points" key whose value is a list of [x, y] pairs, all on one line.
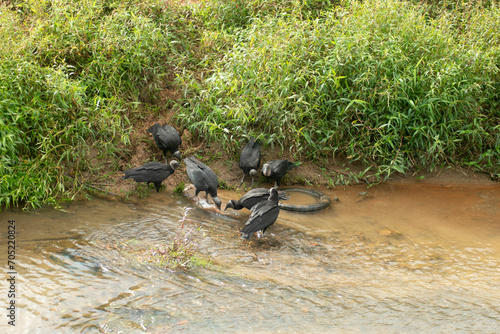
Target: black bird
{"points": [[203, 178], [152, 172], [276, 169], [264, 214], [251, 198], [167, 139], [250, 159]]}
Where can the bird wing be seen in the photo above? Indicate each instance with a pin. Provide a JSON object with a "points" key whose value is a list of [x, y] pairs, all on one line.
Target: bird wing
{"points": [[280, 167], [209, 176], [202, 176], [261, 209], [262, 221], [150, 172], [165, 138], [150, 166], [285, 166], [195, 174], [172, 135], [254, 193], [254, 157], [250, 156], [162, 135]]}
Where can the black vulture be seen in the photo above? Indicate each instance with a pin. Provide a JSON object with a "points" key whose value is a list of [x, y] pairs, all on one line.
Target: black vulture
{"points": [[250, 159], [203, 178], [276, 169], [152, 172], [251, 198], [264, 214], [167, 139]]}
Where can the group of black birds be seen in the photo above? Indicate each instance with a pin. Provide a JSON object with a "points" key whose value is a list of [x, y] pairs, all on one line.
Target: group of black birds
{"points": [[263, 203]]}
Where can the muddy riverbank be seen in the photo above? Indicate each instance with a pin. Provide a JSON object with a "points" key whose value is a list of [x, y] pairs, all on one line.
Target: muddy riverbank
{"points": [[224, 162]]}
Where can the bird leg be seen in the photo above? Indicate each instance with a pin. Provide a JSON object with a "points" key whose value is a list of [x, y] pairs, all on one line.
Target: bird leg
{"points": [[243, 179], [206, 198], [196, 193]]}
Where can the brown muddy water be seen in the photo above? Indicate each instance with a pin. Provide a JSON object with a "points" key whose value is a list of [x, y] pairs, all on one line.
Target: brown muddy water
{"points": [[401, 258]]}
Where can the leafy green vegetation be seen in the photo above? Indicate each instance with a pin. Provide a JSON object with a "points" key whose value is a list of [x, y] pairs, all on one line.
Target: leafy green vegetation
{"points": [[179, 189], [377, 82], [73, 75], [181, 253], [391, 85]]}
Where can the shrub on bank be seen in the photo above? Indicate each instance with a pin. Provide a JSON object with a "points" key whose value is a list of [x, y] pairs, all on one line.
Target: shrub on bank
{"points": [[72, 74], [392, 84], [376, 81]]}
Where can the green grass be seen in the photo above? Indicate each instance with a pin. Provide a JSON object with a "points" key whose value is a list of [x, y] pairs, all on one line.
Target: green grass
{"points": [[181, 253], [378, 82], [389, 85], [74, 75], [179, 189]]}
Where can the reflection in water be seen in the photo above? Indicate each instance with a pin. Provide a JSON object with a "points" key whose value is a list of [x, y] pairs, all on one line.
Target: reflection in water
{"points": [[401, 259]]}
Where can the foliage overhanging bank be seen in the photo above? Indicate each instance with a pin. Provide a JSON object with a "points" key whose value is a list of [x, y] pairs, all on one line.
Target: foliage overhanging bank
{"points": [[391, 84], [72, 75], [380, 82]]}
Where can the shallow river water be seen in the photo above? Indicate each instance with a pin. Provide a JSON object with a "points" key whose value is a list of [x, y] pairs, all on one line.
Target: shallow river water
{"points": [[400, 258]]}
